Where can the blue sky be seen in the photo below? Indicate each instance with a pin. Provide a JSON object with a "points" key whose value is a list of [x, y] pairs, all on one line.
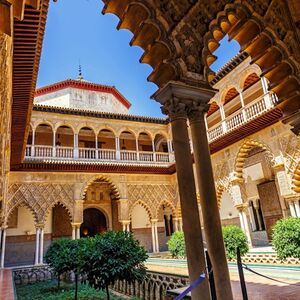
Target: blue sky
{"points": [[77, 31]]}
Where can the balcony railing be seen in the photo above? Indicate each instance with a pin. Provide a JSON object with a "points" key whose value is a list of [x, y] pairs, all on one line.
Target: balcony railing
{"points": [[91, 154], [242, 116]]}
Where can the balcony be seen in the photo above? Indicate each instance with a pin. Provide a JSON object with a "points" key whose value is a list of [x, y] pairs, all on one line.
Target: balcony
{"points": [[244, 115], [40, 152]]}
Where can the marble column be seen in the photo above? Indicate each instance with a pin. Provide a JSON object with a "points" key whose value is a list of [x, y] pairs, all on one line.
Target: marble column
{"points": [[54, 144], [73, 232], [256, 207], [156, 236], [175, 222], [33, 142], [244, 222], [41, 256], [78, 231], [37, 245], [76, 154], [117, 142], [170, 96], [153, 237], [297, 208], [180, 224], [208, 199], [292, 209], [3, 248], [252, 219]]}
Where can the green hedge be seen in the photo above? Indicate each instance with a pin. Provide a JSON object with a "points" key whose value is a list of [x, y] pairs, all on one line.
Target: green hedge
{"points": [[234, 237], [176, 245], [286, 238]]}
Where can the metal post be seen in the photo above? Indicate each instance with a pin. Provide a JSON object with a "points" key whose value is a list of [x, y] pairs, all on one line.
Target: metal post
{"points": [[211, 280], [241, 274]]}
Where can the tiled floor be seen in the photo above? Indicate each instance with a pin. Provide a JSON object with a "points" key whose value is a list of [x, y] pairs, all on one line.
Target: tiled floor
{"points": [[6, 285]]}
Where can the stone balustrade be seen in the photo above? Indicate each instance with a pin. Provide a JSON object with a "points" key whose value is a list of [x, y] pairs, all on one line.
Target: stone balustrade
{"points": [[246, 114], [92, 154]]}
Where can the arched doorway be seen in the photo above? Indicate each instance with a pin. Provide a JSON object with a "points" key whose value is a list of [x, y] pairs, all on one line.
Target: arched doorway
{"points": [[94, 222]]}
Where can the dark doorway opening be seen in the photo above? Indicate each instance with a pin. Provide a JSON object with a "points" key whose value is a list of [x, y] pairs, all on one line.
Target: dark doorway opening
{"points": [[94, 222]]}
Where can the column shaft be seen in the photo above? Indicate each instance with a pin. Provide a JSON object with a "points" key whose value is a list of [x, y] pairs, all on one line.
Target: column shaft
{"points": [[37, 246], [209, 206], [73, 232], [156, 237], [292, 209], [3, 247], [41, 245], [189, 206], [153, 238], [297, 208], [78, 232]]}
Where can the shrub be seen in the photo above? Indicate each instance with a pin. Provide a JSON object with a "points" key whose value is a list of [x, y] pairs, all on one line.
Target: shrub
{"points": [[65, 255], [176, 245], [286, 238], [111, 256], [234, 237]]}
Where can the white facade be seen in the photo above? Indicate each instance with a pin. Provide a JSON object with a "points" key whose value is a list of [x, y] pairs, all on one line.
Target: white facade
{"points": [[82, 99]]}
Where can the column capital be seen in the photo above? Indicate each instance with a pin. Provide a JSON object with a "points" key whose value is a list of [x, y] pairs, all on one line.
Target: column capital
{"points": [[242, 207], [124, 221], [292, 198], [154, 220], [39, 225], [179, 99]]}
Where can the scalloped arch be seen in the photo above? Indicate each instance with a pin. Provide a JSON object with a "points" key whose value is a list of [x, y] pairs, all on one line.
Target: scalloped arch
{"points": [[144, 205], [68, 209], [296, 179], [103, 178], [167, 203], [243, 154]]}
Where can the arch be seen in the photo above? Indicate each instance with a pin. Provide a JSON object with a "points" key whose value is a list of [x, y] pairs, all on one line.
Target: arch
{"points": [[106, 139], [144, 205], [128, 142], [264, 39], [46, 138], [41, 122], [68, 209], [213, 107], [296, 179], [167, 203], [113, 187], [60, 228], [160, 143], [89, 140], [253, 68], [62, 136], [243, 154], [94, 221], [17, 205], [142, 131], [107, 127], [145, 141], [251, 79]]}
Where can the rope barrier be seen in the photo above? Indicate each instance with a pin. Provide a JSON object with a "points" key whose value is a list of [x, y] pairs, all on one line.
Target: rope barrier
{"points": [[267, 277], [192, 286]]}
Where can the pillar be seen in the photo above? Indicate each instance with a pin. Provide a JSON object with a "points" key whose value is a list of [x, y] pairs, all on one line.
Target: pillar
{"points": [[256, 207], [180, 224], [53, 144], [76, 154], [37, 245], [208, 201], [175, 223], [252, 219], [244, 222], [243, 105], [41, 257], [292, 209], [170, 96], [3, 247], [96, 147], [153, 237], [78, 231], [297, 208], [73, 232], [117, 142], [156, 236], [137, 148], [223, 118], [33, 142]]}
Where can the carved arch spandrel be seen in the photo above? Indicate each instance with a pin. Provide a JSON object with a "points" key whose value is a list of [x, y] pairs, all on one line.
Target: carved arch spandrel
{"points": [[39, 198]]}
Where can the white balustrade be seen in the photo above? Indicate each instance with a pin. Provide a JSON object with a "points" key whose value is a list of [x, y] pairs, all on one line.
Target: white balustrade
{"points": [[43, 151], [28, 151], [146, 156], [162, 156], [128, 155], [244, 115], [106, 154], [87, 153], [64, 152]]}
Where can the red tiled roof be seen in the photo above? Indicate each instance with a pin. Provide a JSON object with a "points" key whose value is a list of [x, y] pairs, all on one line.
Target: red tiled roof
{"points": [[83, 85]]}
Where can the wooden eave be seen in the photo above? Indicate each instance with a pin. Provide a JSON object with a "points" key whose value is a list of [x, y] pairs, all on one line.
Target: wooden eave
{"points": [[27, 44], [36, 166]]}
